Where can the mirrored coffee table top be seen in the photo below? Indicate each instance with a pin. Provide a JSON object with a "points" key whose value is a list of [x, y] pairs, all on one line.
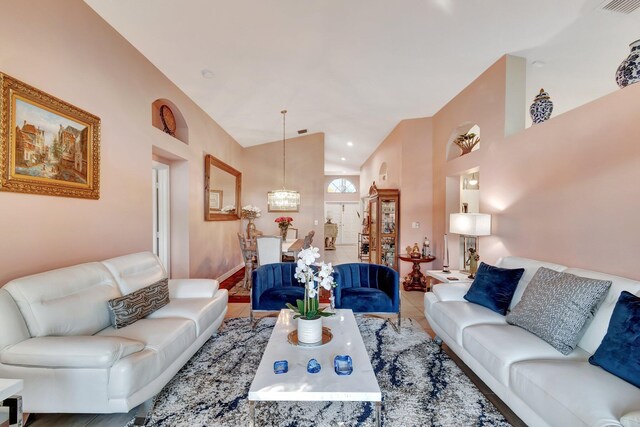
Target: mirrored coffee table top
{"points": [[298, 384]]}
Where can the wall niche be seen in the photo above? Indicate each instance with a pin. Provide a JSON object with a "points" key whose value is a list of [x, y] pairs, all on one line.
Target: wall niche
{"points": [[471, 132], [166, 116]]}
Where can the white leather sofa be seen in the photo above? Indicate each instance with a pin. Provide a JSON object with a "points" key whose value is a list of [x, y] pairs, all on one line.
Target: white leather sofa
{"points": [[56, 334], [543, 387]]}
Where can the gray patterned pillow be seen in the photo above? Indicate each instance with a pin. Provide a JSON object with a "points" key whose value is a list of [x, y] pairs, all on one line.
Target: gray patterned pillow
{"points": [[557, 306], [132, 307]]}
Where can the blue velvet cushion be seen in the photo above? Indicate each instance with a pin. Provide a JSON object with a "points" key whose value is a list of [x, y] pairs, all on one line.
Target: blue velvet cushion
{"points": [[494, 287], [363, 300], [367, 288], [275, 285], [619, 352]]}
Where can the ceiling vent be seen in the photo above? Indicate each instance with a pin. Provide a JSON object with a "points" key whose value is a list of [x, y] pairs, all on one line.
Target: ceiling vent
{"points": [[621, 6]]}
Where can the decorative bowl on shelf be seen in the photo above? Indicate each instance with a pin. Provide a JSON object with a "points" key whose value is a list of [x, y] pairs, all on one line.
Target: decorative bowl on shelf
{"points": [[343, 364]]}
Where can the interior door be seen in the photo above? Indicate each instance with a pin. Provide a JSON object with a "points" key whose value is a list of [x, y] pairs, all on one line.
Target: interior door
{"points": [[345, 215]]}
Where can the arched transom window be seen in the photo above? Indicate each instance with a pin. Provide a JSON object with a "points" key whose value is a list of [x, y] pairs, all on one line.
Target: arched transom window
{"points": [[341, 185]]}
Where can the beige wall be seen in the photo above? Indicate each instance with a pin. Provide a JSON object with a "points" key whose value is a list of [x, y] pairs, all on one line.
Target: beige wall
{"points": [[66, 50], [564, 191], [262, 166]]}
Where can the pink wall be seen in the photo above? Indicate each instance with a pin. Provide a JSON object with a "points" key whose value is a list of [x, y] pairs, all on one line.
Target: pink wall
{"points": [[563, 191], [89, 65], [407, 153], [262, 165]]}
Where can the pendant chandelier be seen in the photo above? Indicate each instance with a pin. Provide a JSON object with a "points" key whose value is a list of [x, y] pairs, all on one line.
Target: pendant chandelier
{"points": [[283, 200]]}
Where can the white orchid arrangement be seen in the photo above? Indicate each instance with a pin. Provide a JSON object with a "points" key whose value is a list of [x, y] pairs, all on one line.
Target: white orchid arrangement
{"points": [[314, 275], [250, 212]]}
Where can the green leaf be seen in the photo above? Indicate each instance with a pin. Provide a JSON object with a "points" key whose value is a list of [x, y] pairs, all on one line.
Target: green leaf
{"points": [[300, 304], [295, 316], [323, 314], [291, 307]]}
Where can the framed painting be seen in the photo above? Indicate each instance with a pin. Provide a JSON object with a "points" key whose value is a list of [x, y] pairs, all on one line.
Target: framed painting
{"points": [[47, 146], [215, 200]]}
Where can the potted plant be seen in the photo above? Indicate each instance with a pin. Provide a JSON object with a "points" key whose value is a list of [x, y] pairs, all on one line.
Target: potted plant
{"points": [[283, 223], [250, 213], [308, 312]]}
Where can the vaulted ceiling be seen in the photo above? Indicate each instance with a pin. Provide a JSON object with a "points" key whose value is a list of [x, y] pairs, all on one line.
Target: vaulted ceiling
{"points": [[353, 69]]}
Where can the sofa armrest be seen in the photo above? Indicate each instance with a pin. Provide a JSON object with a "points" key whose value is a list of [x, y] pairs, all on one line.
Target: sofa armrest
{"points": [[70, 351], [450, 291], [632, 419], [192, 288]]}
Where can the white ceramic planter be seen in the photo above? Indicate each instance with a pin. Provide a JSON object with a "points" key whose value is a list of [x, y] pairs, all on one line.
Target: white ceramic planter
{"points": [[309, 331]]}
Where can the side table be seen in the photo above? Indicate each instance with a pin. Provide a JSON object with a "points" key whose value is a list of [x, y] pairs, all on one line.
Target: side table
{"points": [[415, 281], [455, 276], [9, 396]]}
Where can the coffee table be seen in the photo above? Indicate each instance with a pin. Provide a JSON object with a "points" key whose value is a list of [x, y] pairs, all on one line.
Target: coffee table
{"points": [[326, 385]]}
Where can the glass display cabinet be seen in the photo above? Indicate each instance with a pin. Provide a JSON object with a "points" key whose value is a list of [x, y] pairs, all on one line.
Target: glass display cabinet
{"points": [[384, 234]]}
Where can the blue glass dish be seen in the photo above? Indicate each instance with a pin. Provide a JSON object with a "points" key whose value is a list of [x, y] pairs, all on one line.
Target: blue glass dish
{"points": [[313, 367], [343, 364], [280, 367]]}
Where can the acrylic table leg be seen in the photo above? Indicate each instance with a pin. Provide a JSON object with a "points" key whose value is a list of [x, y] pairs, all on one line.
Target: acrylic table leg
{"points": [[378, 414], [252, 413]]}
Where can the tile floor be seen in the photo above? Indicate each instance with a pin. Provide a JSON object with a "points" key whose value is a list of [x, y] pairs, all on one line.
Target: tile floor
{"points": [[412, 307]]}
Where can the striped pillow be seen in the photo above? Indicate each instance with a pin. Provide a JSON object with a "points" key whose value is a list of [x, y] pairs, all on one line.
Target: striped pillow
{"points": [[132, 307]]}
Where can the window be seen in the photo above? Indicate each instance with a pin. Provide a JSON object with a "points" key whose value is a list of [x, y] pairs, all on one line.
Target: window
{"points": [[341, 185]]}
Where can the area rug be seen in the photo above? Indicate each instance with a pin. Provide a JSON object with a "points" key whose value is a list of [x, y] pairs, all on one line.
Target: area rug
{"points": [[421, 385]]}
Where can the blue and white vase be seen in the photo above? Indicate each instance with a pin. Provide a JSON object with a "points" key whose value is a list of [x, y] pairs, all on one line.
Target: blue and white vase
{"points": [[541, 108], [629, 71]]}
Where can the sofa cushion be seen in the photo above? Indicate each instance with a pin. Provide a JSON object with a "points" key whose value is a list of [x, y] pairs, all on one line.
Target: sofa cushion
{"points": [[275, 298], [366, 300], [450, 291], [600, 322], [67, 301], [619, 352], [70, 352], [573, 393], [135, 271], [557, 306], [202, 311], [167, 338], [454, 316], [493, 287], [130, 308], [497, 347], [530, 266]]}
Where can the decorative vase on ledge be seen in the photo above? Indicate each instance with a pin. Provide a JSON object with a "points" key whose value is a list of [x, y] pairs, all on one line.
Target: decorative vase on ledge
{"points": [[283, 233], [629, 71], [310, 331], [541, 108]]}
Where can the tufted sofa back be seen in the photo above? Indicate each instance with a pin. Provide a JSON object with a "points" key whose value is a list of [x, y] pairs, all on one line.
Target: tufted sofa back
{"points": [[135, 271]]}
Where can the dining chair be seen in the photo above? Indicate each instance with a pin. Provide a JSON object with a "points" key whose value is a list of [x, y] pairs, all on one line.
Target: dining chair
{"points": [[367, 288], [269, 249], [248, 258], [308, 239]]}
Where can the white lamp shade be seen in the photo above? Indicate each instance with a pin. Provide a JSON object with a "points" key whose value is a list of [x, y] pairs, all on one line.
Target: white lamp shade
{"points": [[470, 224]]}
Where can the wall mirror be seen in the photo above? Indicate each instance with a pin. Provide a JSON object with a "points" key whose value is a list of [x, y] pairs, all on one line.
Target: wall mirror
{"points": [[221, 190]]}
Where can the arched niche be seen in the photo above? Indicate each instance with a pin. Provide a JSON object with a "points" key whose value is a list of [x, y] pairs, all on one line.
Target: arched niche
{"points": [[453, 151], [182, 131]]}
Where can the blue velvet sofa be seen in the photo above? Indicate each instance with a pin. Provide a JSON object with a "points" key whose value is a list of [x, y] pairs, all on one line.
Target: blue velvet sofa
{"points": [[367, 288], [274, 285]]}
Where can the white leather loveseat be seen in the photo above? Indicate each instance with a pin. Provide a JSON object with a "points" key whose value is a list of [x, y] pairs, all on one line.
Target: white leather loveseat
{"points": [[543, 387], [56, 334]]}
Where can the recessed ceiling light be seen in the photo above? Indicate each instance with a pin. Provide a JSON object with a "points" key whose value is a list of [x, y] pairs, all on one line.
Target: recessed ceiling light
{"points": [[207, 73], [350, 144], [343, 158]]}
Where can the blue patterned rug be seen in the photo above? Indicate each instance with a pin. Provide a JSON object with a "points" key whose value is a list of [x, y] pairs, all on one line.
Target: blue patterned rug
{"points": [[421, 385]]}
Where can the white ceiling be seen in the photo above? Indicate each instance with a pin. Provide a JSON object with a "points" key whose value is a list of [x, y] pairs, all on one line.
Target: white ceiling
{"points": [[353, 69]]}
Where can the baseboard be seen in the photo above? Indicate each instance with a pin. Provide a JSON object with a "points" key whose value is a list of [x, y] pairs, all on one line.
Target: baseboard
{"points": [[230, 273]]}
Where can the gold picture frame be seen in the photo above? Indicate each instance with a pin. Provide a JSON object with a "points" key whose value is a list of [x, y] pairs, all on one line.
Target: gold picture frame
{"points": [[47, 146]]}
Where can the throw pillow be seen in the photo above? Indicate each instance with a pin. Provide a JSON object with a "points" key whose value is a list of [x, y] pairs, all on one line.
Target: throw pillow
{"points": [[557, 306], [132, 307], [619, 352], [494, 287]]}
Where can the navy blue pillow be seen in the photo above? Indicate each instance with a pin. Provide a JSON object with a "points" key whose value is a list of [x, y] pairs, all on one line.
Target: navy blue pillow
{"points": [[619, 351], [494, 287]]}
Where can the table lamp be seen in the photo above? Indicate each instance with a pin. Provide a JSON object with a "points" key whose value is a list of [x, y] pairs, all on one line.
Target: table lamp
{"points": [[470, 226]]}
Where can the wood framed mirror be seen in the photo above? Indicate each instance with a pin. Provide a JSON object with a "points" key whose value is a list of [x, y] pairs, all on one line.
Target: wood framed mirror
{"points": [[222, 185]]}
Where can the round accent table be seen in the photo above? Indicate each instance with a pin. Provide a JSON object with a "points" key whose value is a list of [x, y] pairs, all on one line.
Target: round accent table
{"points": [[415, 281]]}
